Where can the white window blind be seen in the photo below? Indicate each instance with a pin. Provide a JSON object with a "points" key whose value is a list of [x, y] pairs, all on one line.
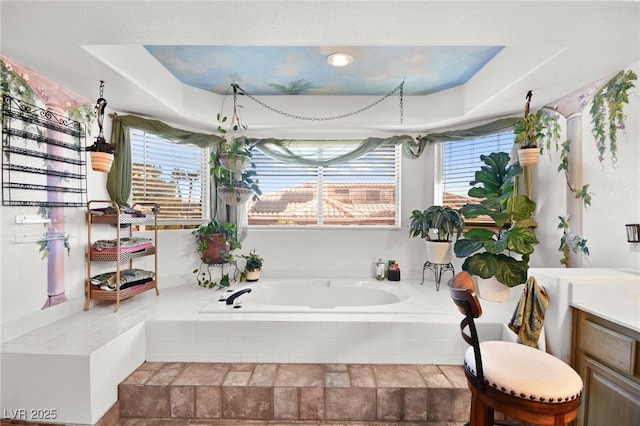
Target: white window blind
{"points": [[461, 160], [173, 175], [361, 192]]}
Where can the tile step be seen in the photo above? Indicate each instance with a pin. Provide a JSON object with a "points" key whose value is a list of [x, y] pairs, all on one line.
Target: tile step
{"points": [[288, 394]]}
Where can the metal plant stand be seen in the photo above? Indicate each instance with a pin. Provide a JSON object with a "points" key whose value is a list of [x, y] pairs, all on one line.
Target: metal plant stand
{"points": [[438, 269]]}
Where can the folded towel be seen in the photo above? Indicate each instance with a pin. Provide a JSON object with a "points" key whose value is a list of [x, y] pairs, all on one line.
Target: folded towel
{"points": [[528, 318]]}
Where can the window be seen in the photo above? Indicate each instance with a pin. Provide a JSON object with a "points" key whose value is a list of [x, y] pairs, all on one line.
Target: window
{"points": [[461, 160], [361, 192], [173, 175]]}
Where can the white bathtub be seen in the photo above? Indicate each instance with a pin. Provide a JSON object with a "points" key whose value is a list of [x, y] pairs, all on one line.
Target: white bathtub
{"points": [[325, 295], [401, 322]]}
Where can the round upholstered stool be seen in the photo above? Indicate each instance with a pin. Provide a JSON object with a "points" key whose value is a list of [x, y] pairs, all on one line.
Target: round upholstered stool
{"points": [[519, 381], [525, 372]]}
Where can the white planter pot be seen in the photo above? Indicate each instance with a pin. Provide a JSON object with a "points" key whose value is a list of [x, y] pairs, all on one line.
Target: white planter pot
{"points": [[439, 252], [492, 290], [253, 275]]}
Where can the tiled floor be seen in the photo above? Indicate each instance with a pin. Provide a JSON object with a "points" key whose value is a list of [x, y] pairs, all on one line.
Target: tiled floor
{"points": [[282, 394]]}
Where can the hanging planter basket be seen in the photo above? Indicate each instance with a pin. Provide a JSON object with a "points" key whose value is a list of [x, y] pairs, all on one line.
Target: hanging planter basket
{"points": [[528, 156], [101, 161], [233, 195], [234, 162]]}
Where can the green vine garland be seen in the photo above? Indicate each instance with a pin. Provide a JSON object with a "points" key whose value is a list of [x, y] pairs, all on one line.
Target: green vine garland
{"points": [[607, 113], [607, 117]]}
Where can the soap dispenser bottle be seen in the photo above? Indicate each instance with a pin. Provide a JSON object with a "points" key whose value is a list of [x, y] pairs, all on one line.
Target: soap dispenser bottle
{"points": [[380, 270]]}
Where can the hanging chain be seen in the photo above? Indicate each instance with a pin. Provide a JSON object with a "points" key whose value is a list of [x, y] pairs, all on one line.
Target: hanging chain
{"points": [[402, 102], [336, 117]]}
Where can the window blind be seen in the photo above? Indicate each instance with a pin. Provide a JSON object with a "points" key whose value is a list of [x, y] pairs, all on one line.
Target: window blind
{"points": [[173, 175], [356, 193], [461, 160]]}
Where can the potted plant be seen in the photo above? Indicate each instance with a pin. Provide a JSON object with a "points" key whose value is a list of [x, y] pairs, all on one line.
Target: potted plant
{"points": [[446, 222], [102, 154], [252, 267], [489, 252], [235, 183], [234, 156], [216, 242], [234, 188], [528, 130]]}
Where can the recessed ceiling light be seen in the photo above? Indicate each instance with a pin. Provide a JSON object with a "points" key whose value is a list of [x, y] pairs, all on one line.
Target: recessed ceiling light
{"points": [[339, 59]]}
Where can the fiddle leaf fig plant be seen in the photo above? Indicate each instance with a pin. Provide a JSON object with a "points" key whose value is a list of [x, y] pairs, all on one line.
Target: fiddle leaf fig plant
{"points": [[488, 251]]}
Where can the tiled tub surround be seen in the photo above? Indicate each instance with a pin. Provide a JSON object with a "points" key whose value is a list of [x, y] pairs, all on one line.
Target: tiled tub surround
{"points": [[421, 327], [88, 354], [420, 394]]}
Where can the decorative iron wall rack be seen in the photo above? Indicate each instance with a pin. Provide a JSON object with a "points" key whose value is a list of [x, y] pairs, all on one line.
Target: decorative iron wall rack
{"points": [[43, 160]]}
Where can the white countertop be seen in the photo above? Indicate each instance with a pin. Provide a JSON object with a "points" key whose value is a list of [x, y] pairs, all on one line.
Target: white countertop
{"points": [[616, 300]]}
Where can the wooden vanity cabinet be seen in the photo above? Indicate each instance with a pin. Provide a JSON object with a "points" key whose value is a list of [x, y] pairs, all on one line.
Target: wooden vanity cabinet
{"points": [[606, 355]]}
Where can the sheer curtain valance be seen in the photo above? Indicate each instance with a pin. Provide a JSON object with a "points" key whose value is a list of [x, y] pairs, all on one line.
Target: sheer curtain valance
{"points": [[322, 152], [295, 151], [119, 178], [290, 151]]}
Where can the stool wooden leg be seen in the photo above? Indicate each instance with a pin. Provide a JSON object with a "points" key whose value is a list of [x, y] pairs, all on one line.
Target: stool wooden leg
{"points": [[481, 414]]}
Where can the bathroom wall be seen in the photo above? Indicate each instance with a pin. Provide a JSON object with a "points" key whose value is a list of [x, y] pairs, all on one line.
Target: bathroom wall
{"points": [[616, 195], [616, 189], [340, 253]]}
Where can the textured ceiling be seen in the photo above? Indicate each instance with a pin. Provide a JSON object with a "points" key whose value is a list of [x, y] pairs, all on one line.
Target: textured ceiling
{"points": [[551, 47]]}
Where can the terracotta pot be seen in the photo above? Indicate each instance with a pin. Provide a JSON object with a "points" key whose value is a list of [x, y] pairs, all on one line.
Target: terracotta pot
{"points": [[528, 156], [253, 275], [101, 161], [439, 252], [218, 251], [492, 290]]}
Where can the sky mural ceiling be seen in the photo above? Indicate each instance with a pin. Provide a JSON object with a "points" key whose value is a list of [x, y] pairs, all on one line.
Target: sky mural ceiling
{"points": [[278, 70]]}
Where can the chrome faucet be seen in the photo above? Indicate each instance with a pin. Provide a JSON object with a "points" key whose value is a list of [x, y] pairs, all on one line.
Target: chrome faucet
{"points": [[237, 294]]}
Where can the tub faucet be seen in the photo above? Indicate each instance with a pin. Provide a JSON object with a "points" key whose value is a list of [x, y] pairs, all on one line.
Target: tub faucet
{"points": [[237, 294]]}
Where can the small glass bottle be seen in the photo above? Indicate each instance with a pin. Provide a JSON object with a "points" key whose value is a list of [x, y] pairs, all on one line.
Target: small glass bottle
{"points": [[380, 270]]}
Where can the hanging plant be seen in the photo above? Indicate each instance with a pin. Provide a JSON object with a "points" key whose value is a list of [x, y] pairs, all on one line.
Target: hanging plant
{"points": [[231, 165], [607, 113], [570, 242], [535, 132]]}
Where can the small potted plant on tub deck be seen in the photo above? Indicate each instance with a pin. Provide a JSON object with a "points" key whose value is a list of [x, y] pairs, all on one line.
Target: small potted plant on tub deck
{"points": [[215, 243], [252, 267], [446, 222]]}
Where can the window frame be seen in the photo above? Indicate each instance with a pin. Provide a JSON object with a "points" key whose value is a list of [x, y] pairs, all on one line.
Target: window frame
{"points": [[323, 226], [205, 180], [504, 137]]}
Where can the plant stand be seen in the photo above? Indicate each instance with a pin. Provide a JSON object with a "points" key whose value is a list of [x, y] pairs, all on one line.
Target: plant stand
{"points": [[438, 269]]}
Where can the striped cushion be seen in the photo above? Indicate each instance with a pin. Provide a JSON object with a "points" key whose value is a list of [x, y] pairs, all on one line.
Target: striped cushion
{"points": [[525, 372]]}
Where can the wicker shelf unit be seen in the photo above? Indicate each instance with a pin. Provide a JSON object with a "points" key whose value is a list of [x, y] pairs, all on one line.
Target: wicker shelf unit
{"points": [[107, 212]]}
